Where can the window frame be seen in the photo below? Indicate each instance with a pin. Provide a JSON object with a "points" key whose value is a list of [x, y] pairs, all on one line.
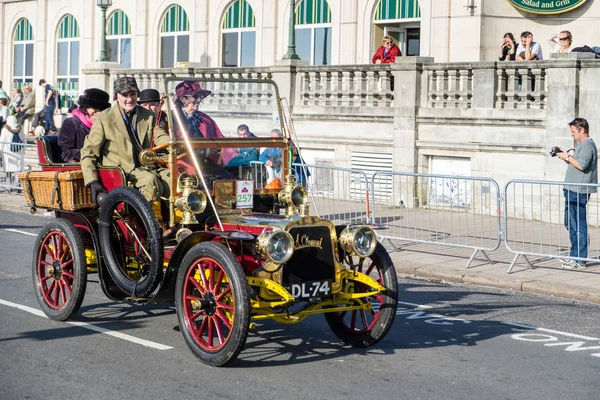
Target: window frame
{"points": [[239, 32], [313, 35]]}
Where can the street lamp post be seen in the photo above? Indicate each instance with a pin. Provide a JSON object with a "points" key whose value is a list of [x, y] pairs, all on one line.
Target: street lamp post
{"points": [[103, 4], [291, 53]]}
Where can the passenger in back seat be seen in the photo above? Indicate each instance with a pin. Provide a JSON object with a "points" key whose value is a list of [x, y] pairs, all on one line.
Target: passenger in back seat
{"points": [[74, 129]]}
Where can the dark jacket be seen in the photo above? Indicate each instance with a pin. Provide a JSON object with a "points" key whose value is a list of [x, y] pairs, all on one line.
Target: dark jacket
{"points": [[70, 139]]}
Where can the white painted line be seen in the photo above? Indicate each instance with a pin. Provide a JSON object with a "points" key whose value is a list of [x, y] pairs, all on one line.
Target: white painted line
{"points": [[21, 232], [567, 334], [91, 327], [415, 305]]}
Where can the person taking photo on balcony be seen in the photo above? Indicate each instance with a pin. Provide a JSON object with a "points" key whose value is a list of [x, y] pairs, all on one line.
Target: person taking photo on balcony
{"points": [[74, 129], [561, 42], [508, 48], [582, 168], [528, 50], [387, 53]]}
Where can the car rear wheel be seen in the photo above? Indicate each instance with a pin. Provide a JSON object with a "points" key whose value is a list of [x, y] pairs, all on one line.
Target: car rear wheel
{"points": [[213, 306], [364, 328], [59, 269], [131, 242]]}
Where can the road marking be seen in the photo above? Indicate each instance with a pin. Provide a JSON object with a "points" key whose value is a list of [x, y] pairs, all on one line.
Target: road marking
{"points": [[22, 232], [535, 328], [91, 327], [422, 306]]}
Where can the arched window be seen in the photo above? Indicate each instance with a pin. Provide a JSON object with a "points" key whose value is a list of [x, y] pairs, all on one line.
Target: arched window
{"points": [[67, 56], [118, 39], [174, 37], [400, 19], [239, 35], [313, 32], [23, 53]]}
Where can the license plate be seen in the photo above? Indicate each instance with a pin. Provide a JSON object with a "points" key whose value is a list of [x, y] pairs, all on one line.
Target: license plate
{"points": [[307, 290]]}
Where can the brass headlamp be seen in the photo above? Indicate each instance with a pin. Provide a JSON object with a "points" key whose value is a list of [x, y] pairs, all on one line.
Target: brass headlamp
{"points": [[358, 240], [293, 196], [192, 201]]}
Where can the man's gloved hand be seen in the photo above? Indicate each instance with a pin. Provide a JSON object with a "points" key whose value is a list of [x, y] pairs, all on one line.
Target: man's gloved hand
{"points": [[97, 188]]}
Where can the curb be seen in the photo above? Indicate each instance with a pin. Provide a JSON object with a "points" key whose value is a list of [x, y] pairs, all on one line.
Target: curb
{"points": [[445, 275]]}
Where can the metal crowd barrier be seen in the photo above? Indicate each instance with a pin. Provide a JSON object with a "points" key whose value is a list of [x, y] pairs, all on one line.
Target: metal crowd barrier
{"points": [[25, 158], [448, 210], [340, 195], [535, 223]]}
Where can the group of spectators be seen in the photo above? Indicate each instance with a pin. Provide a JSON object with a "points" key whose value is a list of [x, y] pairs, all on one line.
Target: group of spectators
{"points": [[527, 49]]}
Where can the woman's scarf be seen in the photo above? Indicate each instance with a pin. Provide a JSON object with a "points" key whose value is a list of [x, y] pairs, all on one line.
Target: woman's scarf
{"points": [[84, 118]]}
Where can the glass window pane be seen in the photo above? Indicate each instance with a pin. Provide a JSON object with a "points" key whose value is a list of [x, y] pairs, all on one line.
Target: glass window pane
{"points": [[248, 49], [63, 58], [167, 46], [74, 66], [18, 63], [322, 54], [126, 53], [29, 59], [230, 49], [112, 49], [183, 48], [303, 43]]}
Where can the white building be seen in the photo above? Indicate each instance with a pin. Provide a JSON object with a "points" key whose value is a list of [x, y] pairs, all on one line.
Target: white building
{"points": [[55, 39]]}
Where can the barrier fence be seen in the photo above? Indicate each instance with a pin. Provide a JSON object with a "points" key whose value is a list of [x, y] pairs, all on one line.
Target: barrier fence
{"points": [[14, 158], [447, 210], [537, 221]]}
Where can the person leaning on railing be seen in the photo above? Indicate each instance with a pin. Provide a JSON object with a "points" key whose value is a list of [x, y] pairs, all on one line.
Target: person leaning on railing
{"points": [[582, 168]]}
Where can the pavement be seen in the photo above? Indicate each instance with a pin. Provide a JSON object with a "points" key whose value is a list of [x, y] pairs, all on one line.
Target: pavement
{"points": [[446, 264]]}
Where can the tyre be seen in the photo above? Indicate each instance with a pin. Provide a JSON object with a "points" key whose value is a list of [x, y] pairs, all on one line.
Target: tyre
{"points": [[131, 242], [59, 269], [364, 328], [213, 306]]}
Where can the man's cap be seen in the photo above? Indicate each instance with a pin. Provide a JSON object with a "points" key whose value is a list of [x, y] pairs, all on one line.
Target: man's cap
{"points": [[148, 96], [125, 84], [191, 88], [94, 98]]}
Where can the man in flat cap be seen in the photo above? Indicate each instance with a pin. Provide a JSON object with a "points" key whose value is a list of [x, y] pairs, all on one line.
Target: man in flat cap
{"points": [[118, 136]]}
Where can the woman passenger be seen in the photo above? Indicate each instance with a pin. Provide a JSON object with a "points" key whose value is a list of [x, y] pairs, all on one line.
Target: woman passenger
{"points": [[75, 128]]}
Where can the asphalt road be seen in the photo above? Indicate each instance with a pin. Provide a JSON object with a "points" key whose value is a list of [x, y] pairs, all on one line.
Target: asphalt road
{"points": [[448, 342]]}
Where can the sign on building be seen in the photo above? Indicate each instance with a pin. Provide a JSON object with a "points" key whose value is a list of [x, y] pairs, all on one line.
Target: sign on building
{"points": [[546, 6]]}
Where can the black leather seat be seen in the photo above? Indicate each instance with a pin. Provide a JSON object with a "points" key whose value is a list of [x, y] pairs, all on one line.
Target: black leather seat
{"points": [[51, 148]]}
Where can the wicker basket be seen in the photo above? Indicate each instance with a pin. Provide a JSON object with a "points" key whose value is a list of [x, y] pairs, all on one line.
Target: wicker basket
{"points": [[58, 190]]}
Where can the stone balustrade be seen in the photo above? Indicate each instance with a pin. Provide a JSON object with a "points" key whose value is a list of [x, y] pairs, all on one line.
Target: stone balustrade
{"points": [[502, 117]]}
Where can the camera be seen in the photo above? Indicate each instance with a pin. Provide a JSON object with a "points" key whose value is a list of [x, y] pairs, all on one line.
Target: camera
{"points": [[555, 150]]}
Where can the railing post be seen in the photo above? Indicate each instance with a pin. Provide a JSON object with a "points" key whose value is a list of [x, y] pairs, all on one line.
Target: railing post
{"points": [[97, 75], [484, 85], [562, 80], [288, 79]]}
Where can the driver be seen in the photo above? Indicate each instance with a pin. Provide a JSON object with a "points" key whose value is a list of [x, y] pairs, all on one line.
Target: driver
{"points": [[116, 139]]}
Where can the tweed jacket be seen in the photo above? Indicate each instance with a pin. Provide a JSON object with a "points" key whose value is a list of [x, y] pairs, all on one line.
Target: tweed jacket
{"points": [[108, 142], [28, 103]]}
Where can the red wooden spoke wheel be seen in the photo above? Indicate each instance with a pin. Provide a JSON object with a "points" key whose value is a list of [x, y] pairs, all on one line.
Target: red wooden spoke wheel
{"points": [[59, 269], [213, 305], [364, 328]]}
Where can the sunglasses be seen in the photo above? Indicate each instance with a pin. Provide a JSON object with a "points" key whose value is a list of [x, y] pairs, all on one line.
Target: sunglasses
{"points": [[563, 38]]}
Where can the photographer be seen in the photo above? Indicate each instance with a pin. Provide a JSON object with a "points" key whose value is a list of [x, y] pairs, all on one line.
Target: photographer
{"points": [[582, 168]]}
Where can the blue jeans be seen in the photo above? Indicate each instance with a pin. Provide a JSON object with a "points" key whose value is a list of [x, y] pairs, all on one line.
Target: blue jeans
{"points": [[49, 120], [576, 223]]}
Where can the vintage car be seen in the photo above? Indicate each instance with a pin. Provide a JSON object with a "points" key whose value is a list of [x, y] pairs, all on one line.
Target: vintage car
{"points": [[245, 249]]}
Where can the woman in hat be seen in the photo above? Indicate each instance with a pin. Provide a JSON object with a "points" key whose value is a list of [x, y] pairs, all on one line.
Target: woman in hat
{"points": [[75, 128], [189, 95], [12, 151]]}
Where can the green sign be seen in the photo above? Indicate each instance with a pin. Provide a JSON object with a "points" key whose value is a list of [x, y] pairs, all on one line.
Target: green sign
{"points": [[546, 6]]}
